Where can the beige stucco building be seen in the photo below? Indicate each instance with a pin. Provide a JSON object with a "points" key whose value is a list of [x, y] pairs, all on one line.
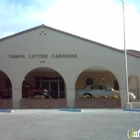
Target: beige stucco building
{"points": [[50, 58]]}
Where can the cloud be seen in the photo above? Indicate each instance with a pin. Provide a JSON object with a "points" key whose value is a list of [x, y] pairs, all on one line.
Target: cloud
{"points": [[15, 17], [98, 20], [4, 34], [132, 27]]}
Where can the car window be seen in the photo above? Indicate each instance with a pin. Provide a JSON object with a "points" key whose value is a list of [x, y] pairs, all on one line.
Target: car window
{"points": [[95, 88], [106, 88]]}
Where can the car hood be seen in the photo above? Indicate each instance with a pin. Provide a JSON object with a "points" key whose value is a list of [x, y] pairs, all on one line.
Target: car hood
{"points": [[117, 91]]}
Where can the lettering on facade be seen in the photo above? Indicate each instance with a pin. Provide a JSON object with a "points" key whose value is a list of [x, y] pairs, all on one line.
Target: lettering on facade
{"points": [[64, 55], [35, 56], [16, 56], [38, 56]]}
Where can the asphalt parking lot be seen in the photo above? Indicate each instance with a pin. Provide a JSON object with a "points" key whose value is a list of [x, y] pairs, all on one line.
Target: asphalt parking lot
{"points": [[91, 124]]}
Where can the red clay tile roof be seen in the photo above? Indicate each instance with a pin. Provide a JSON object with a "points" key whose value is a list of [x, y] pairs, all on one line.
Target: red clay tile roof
{"points": [[75, 36], [134, 52]]}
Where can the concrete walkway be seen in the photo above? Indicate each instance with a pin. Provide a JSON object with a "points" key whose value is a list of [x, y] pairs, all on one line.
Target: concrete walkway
{"points": [[91, 124]]}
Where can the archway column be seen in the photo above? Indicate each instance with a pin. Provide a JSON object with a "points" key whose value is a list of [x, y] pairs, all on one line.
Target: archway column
{"points": [[16, 98], [134, 85], [70, 97], [124, 97]]}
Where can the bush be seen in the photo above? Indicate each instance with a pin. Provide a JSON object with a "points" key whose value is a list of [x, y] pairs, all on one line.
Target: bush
{"points": [[105, 96], [84, 97], [115, 96], [96, 96]]}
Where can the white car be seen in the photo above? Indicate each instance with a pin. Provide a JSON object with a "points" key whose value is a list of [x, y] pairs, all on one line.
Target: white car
{"points": [[101, 90]]}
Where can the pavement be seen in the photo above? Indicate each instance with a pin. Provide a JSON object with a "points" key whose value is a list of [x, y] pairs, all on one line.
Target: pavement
{"points": [[54, 124]]}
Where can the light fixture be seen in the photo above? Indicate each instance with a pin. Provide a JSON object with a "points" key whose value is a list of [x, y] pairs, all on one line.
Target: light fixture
{"points": [[102, 78]]}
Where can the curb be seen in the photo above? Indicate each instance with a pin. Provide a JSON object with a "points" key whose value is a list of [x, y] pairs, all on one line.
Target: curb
{"points": [[71, 109], [6, 110], [129, 109]]}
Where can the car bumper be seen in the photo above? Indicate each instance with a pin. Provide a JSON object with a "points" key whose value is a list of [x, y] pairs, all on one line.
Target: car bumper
{"points": [[132, 97], [46, 94]]}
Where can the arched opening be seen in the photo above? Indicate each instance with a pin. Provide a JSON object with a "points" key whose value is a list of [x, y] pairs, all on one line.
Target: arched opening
{"points": [[98, 82], [97, 76], [5, 86], [44, 80], [134, 85]]}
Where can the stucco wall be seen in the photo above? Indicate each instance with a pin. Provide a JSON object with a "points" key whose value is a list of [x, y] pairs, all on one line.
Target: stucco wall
{"points": [[133, 82], [88, 55]]}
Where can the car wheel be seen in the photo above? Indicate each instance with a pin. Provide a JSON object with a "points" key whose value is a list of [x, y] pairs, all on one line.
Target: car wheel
{"points": [[88, 95]]}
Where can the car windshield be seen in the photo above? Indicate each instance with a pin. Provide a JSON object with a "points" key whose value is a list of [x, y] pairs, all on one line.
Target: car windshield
{"points": [[107, 88]]}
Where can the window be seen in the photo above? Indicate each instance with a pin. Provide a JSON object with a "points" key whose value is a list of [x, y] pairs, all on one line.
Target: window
{"points": [[89, 81], [116, 85], [95, 87]]}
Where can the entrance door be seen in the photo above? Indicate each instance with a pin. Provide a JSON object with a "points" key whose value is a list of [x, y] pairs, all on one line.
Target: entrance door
{"points": [[52, 87], [45, 85]]}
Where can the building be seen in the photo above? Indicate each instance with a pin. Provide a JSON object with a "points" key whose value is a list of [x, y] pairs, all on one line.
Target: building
{"points": [[53, 59]]}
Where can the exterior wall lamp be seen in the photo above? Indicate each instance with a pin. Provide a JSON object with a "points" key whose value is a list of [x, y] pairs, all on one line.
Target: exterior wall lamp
{"points": [[102, 78]]}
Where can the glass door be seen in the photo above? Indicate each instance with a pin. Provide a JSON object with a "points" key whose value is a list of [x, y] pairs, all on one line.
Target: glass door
{"points": [[54, 89], [45, 85], [54, 85]]}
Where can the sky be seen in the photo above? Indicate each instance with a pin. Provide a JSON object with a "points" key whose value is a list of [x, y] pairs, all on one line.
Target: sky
{"points": [[97, 20]]}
